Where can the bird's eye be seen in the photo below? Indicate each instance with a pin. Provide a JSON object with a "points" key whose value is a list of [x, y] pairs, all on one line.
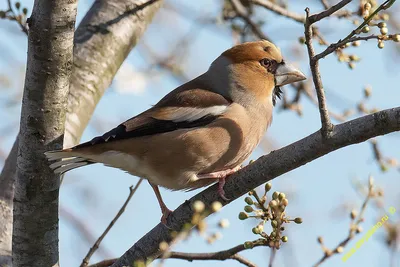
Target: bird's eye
{"points": [[265, 62]]}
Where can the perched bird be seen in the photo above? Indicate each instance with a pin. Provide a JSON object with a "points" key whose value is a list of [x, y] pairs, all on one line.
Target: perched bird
{"points": [[200, 132]]}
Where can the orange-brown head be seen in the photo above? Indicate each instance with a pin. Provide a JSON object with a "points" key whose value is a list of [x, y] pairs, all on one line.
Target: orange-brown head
{"points": [[253, 70]]}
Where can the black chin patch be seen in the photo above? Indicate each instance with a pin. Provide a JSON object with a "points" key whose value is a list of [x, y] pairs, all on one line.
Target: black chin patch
{"points": [[276, 93]]}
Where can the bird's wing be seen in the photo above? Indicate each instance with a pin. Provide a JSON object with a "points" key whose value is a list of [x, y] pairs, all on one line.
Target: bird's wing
{"points": [[177, 110]]}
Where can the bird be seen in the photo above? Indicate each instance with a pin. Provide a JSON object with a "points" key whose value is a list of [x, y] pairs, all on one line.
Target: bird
{"points": [[199, 133]]}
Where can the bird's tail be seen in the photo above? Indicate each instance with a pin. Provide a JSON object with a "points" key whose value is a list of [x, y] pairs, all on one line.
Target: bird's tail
{"points": [[66, 160]]}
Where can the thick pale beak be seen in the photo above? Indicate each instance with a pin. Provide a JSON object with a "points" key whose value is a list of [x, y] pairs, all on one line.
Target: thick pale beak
{"points": [[286, 73]]}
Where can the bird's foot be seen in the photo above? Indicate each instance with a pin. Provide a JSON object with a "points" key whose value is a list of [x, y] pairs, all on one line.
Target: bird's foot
{"points": [[221, 191], [220, 175], [165, 213]]}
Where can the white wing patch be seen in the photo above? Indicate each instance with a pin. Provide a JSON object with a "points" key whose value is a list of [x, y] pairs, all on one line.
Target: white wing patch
{"points": [[193, 114]]}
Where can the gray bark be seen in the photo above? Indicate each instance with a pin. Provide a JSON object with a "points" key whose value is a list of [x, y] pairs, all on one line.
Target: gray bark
{"points": [[6, 205], [263, 170], [49, 67], [103, 40]]}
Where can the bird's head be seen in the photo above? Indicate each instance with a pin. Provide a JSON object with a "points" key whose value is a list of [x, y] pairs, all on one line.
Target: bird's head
{"points": [[256, 69]]}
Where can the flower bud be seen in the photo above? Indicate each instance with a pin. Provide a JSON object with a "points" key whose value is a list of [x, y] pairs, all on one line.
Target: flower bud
{"points": [[249, 200], [198, 206], [248, 208], [298, 220], [216, 206], [243, 216]]}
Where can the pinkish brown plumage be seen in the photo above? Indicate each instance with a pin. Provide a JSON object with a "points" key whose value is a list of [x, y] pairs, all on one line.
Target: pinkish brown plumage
{"points": [[198, 133]]}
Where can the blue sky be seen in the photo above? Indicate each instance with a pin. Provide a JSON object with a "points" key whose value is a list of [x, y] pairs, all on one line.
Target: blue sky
{"points": [[315, 191]]}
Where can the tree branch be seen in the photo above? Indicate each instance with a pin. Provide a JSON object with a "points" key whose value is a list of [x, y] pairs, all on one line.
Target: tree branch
{"points": [[241, 12], [262, 170], [333, 47], [222, 255], [326, 123], [49, 67], [106, 35], [279, 10], [317, 17], [102, 42], [96, 245]]}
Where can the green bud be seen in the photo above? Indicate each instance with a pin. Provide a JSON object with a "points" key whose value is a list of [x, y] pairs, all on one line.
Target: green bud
{"points": [[248, 245], [273, 203], [275, 195], [249, 201], [17, 5], [243, 216], [284, 238], [274, 223], [25, 10], [248, 208], [281, 196], [256, 230], [382, 25], [365, 29], [268, 187], [298, 220]]}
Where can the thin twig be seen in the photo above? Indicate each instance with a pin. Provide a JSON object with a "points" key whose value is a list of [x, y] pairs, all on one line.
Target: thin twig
{"points": [[350, 38], [383, 6], [104, 263], [325, 3], [317, 17], [326, 123], [279, 10], [354, 228], [222, 255], [241, 12], [332, 48], [18, 20], [243, 260], [96, 245], [272, 258], [84, 230]]}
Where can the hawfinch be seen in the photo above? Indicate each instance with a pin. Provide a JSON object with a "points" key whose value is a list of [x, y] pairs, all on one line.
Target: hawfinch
{"points": [[200, 132]]}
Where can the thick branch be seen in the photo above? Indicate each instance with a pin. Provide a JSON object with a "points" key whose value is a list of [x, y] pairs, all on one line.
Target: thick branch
{"points": [[102, 42], [265, 169], [49, 67], [106, 35]]}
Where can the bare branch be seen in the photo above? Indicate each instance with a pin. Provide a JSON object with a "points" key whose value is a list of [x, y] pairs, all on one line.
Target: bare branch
{"points": [[279, 10], [262, 170], [326, 123], [18, 19], [333, 47], [354, 226], [317, 17], [106, 34], [231, 253], [96, 245], [241, 12]]}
